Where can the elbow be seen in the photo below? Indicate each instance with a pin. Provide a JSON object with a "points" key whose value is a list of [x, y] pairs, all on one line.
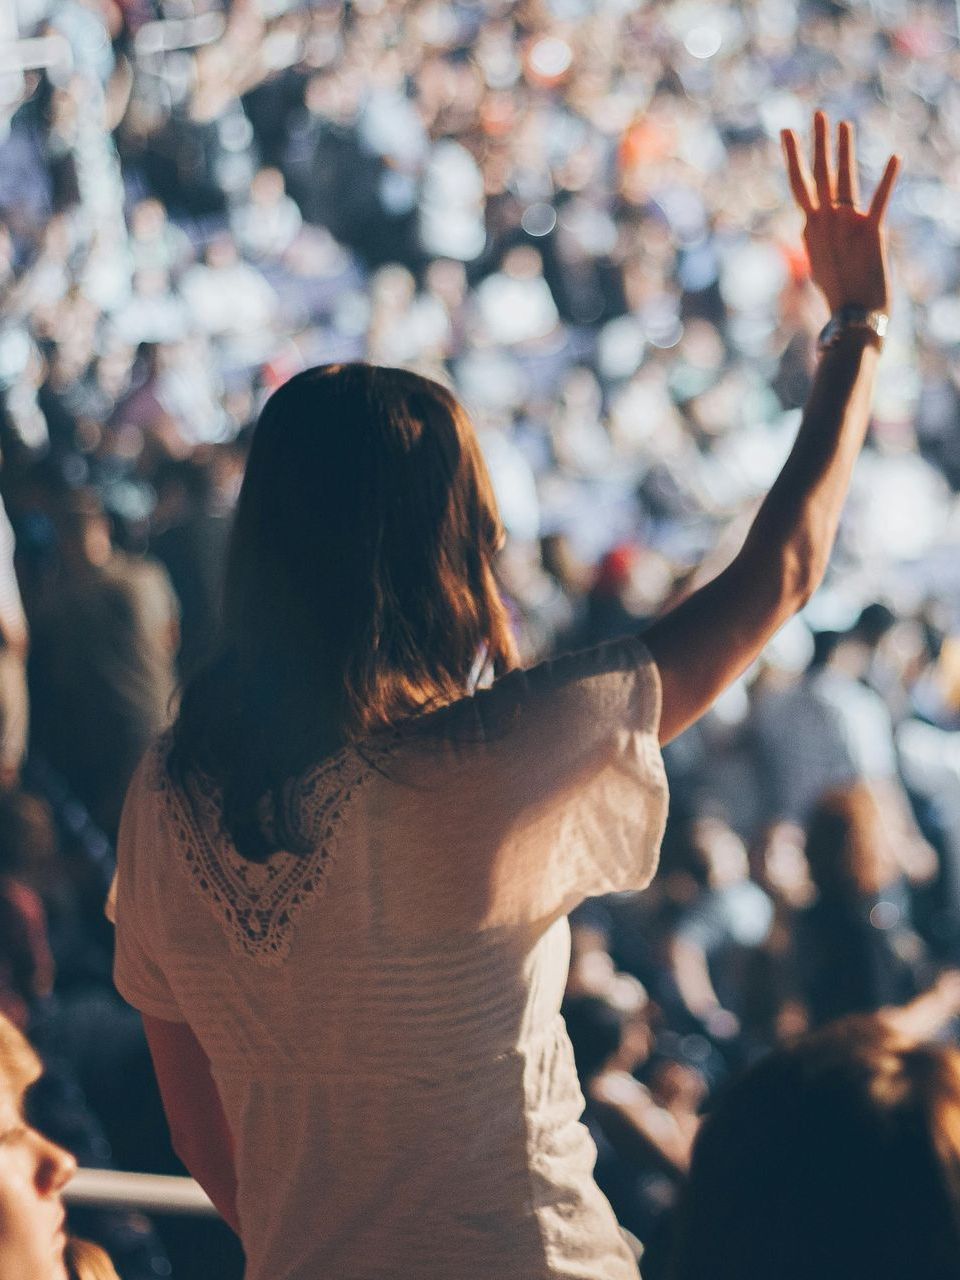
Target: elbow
{"points": [[788, 560], [803, 591], [803, 567], [773, 597]]}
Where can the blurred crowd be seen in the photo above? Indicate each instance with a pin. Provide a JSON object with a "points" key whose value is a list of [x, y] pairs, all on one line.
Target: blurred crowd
{"points": [[574, 212]]}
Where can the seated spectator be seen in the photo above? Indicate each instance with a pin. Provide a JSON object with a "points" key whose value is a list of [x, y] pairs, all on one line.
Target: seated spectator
{"points": [[155, 241], [856, 949], [227, 296], [266, 226], [103, 662], [835, 1159], [643, 1142], [774, 1009], [728, 915], [33, 1172], [831, 729], [26, 961]]}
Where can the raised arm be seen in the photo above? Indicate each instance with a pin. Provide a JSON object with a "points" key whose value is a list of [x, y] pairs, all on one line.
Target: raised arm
{"points": [[703, 644]]}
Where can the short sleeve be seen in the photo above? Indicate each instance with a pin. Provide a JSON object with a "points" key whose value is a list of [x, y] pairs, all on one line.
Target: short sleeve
{"points": [[568, 784], [137, 971]]}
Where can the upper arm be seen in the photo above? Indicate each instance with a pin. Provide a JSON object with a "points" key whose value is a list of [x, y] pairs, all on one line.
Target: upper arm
{"points": [[710, 639], [198, 1126], [135, 903], [187, 1086], [568, 787]]}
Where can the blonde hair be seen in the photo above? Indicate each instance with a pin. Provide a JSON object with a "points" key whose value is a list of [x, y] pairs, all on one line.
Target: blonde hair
{"points": [[19, 1065], [87, 1261]]}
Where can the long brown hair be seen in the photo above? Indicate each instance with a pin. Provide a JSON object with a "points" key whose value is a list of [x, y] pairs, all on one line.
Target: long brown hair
{"points": [[359, 589], [848, 849]]}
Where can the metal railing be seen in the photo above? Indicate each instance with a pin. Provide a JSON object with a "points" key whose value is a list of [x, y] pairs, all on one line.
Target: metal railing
{"points": [[148, 1192]]}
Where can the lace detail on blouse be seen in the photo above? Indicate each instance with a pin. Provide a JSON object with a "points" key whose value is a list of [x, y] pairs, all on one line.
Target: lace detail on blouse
{"points": [[257, 904]]}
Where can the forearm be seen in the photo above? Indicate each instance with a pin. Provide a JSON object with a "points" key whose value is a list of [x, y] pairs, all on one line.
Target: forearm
{"points": [[690, 972], [790, 541], [923, 1018], [712, 637]]}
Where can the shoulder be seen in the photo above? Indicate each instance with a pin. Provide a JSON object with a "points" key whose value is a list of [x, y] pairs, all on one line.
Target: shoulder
{"points": [[611, 685], [618, 663], [147, 786]]}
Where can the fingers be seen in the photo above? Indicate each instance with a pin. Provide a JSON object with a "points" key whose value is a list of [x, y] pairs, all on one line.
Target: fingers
{"points": [[821, 161], [820, 193], [881, 197], [847, 192], [796, 171]]}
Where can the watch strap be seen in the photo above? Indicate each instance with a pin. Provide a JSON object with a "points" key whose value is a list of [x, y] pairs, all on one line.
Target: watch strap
{"points": [[853, 317]]}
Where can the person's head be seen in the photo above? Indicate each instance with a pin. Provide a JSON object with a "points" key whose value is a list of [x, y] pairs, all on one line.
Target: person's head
{"points": [[267, 187], [676, 1085], [608, 1031], [715, 855], [360, 588], [837, 1158], [87, 1261], [779, 864], [33, 1172], [847, 848], [875, 621], [825, 645], [221, 253], [84, 530], [28, 835], [148, 219]]}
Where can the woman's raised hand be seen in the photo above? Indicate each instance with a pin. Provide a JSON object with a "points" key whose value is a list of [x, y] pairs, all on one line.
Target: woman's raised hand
{"points": [[845, 244]]}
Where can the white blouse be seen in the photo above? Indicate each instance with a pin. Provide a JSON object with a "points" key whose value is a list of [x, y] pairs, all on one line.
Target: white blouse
{"points": [[382, 1016]]}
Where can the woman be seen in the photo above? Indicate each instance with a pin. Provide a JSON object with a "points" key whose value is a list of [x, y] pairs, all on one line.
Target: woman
{"points": [[343, 886], [33, 1173], [837, 1158]]}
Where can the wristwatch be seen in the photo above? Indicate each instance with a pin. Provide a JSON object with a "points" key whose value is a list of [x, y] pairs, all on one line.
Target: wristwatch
{"points": [[853, 317]]}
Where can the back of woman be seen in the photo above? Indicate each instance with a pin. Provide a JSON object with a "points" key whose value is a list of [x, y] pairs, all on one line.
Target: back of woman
{"points": [[381, 1016], [342, 887]]}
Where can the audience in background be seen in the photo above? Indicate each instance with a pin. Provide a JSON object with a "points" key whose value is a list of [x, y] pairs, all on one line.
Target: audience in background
{"points": [[836, 1158], [104, 650], [566, 208]]}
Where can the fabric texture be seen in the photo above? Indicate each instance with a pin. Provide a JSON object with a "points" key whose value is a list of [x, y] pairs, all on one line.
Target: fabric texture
{"points": [[382, 1017]]}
